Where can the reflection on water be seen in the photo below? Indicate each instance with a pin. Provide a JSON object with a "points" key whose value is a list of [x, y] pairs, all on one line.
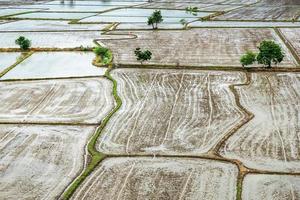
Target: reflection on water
{"points": [[71, 3]]}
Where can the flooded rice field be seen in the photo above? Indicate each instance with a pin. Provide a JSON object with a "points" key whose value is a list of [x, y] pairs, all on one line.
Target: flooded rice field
{"points": [[85, 115]]}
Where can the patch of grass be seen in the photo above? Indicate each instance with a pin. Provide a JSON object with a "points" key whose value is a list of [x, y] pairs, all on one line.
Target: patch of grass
{"points": [[101, 61], [96, 157], [239, 189]]}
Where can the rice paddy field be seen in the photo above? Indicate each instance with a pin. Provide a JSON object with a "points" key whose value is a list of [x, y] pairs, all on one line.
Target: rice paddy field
{"points": [[81, 117]]}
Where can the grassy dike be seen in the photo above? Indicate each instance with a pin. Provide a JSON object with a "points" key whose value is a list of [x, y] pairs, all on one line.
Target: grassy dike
{"points": [[96, 157], [20, 59]]}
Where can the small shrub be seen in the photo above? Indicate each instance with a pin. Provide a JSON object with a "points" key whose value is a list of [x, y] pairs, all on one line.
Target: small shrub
{"points": [[248, 59], [183, 22], [142, 55], [23, 42], [192, 10], [101, 51]]}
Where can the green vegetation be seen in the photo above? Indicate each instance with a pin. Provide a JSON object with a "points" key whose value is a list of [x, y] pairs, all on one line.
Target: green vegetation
{"points": [[142, 55], [96, 157], [155, 19], [20, 59], [192, 10], [269, 52], [248, 59], [23, 42], [183, 22], [103, 56]]}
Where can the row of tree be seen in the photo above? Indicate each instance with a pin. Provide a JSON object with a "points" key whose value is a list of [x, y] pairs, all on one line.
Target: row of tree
{"points": [[269, 53]]}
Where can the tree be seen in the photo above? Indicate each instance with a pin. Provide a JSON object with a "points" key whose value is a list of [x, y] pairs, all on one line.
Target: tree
{"points": [[155, 19], [248, 59], [142, 55], [23, 42], [269, 52]]}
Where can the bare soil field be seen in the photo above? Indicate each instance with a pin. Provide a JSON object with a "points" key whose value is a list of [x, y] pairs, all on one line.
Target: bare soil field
{"points": [[160, 178], [271, 187], [263, 13], [171, 112], [195, 47], [270, 141], [38, 162], [190, 124], [293, 37], [244, 24], [56, 101], [240, 2]]}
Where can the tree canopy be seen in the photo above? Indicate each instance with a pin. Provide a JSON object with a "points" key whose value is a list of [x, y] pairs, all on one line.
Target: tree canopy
{"points": [[155, 19], [142, 55], [269, 52]]}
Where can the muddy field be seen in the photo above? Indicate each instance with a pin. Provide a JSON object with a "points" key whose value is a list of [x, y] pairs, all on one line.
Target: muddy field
{"points": [[293, 37], [189, 124], [195, 47], [244, 24], [38, 162], [271, 187], [160, 178], [171, 112], [263, 13], [271, 140], [56, 101]]}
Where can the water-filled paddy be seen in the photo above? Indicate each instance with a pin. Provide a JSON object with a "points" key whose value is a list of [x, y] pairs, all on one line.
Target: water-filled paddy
{"points": [[54, 65]]}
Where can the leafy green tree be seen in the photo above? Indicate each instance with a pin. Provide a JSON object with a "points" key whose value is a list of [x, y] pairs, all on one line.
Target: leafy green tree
{"points": [[269, 52], [142, 55], [23, 42], [248, 59], [155, 19]]}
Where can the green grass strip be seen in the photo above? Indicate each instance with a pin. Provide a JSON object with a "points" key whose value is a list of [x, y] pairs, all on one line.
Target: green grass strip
{"points": [[23, 57], [96, 157]]}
